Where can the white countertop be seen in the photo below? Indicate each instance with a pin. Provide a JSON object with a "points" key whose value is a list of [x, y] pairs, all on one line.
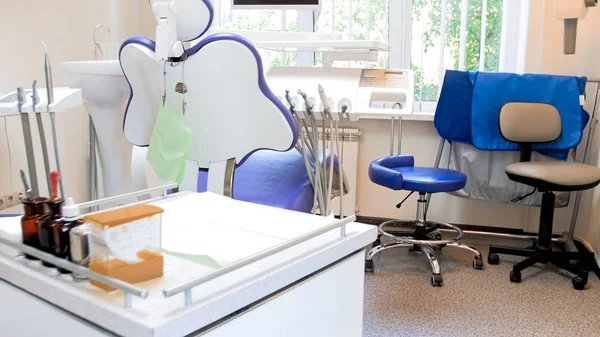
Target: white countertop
{"points": [[221, 229]]}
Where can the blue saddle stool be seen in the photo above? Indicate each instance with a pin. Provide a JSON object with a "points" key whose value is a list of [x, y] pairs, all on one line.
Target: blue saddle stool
{"points": [[399, 173]]}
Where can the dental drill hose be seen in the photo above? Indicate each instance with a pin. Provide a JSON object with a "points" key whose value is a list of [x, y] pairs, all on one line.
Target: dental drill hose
{"points": [[319, 176]]}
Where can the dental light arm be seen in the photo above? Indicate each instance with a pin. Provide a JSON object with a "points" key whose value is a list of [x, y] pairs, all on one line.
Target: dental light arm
{"points": [[168, 46], [571, 11]]}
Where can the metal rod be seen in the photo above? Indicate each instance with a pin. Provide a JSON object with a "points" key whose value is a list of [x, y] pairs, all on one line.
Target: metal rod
{"points": [[256, 257], [35, 191], [482, 36], [127, 298], [35, 100], [438, 158], [228, 178], [188, 296], [126, 196], [325, 191], [56, 156], [392, 136], [588, 146], [75, 268], [331, 154], [50, 92], [462, 49], [399, 135], [340, 155], [93, 162], [40, 125]]}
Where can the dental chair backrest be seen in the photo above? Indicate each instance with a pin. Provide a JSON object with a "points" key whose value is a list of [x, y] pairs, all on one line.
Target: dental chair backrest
{"points": [[229, 107]]}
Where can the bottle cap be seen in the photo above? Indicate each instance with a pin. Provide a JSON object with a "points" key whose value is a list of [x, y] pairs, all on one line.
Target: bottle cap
{"points": [[70, 209]]}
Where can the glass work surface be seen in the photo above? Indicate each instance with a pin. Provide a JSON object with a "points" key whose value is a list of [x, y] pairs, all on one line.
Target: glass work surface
{"points": [[202, 232]]}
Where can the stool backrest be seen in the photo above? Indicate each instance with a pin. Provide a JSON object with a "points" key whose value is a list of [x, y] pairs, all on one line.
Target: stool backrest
{"points": [[530, 122]]}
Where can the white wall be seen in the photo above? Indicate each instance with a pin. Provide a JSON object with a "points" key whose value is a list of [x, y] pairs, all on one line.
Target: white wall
{"points": [[584, 63], [66, 27], [544, 55]]}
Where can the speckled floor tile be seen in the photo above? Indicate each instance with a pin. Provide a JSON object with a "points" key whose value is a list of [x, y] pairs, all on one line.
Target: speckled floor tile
{"points": [[399, 300]]}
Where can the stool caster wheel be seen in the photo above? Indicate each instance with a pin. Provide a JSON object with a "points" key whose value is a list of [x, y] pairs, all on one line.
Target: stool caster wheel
{"points": [[369, 266], [436, 280], [478, 263], [493, 258], [578, 283], [515, 277]]}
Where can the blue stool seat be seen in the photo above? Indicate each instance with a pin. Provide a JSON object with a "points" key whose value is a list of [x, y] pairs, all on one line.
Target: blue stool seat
{"points": [[399, 173]]}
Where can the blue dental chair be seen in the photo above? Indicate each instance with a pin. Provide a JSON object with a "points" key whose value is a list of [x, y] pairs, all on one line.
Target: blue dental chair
{"points": [[399, 173]]}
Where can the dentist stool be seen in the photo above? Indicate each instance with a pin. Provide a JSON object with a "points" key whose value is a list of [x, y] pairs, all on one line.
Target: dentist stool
{"points": [[527, 124], [399, 173]]}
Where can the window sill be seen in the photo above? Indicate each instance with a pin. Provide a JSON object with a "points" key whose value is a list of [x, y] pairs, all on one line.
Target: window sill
{"points": [[420, 117]]}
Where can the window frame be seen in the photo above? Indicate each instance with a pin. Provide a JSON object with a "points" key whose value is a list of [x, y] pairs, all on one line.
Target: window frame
{"points": [[512, 55]]}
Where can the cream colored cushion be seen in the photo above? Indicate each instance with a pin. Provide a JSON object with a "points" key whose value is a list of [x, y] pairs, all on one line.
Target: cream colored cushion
{"points": [[557, 172], [530, 122]]}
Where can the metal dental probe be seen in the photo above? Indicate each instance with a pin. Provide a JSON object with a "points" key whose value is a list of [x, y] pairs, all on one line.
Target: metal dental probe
{"points": [[35, 98], [35, 191], [50, 89], [25, 184]]}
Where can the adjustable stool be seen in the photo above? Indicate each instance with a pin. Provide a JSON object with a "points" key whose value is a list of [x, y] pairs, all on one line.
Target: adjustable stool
{"points": [[399, 173], [526, 124]]}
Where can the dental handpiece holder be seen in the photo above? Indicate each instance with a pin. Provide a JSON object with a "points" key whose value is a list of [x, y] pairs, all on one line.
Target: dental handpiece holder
{"points": [[64, 98]]}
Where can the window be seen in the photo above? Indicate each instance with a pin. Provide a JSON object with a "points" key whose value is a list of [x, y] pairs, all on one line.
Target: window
{"points": [[452, 34], [267, 20], [429, 36], [355, 20]]}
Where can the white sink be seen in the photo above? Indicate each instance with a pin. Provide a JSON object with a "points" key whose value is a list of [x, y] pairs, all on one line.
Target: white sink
{"points": [[105, 93]]}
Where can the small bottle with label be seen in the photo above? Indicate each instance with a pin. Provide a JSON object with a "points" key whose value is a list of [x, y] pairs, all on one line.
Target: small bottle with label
{"points": [[62, 230], [35, 212], [46, 228]]}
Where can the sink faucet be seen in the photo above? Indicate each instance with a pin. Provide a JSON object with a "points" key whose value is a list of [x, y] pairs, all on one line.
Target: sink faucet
{"points": [[97, 47]]}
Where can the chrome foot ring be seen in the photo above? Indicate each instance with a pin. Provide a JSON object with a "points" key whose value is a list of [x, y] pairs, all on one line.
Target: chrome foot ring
{"points": [[410, 240]]}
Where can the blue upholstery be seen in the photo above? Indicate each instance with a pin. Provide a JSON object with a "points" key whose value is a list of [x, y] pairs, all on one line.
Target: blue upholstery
{"points": [[272, 178], [399, 173]]}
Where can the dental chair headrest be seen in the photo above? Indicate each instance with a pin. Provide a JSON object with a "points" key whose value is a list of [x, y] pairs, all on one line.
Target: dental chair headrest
{"points": [[194, 17]]}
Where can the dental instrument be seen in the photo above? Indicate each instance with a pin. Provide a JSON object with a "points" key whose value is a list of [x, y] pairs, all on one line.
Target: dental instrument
{"points": [[326, 107], [50, 90], [28, 143], [35, 98], [320, 180], [25, 184]]}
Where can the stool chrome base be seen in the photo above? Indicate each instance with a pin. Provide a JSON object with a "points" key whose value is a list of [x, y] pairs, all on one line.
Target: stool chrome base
{"points": [[425, 238]]}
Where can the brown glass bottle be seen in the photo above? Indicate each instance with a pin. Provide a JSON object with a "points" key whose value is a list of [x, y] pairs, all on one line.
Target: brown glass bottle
{"points": [[46, 228], [35, 211], [62, 228]]}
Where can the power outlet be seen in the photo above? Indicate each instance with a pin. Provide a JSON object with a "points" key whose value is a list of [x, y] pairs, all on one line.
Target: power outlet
{"points": [[18, 196], [10, 200]]}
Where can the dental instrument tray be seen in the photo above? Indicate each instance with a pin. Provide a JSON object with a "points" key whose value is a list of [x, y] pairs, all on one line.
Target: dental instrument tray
{"points": [[202, 278], [64, 98]]}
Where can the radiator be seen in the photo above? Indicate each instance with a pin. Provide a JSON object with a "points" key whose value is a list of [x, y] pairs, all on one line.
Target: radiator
{"points": [[348, 139]]}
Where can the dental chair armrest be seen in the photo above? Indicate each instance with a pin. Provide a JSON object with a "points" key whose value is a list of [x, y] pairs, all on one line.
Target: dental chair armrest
{"points": [[381, 171]]}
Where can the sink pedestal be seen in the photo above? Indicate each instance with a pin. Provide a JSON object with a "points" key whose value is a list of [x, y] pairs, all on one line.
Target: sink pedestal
{"points": [[105, 93]]}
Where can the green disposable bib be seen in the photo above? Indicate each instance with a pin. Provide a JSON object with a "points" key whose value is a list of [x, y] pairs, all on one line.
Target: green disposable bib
{"points": [[169, 145]]}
